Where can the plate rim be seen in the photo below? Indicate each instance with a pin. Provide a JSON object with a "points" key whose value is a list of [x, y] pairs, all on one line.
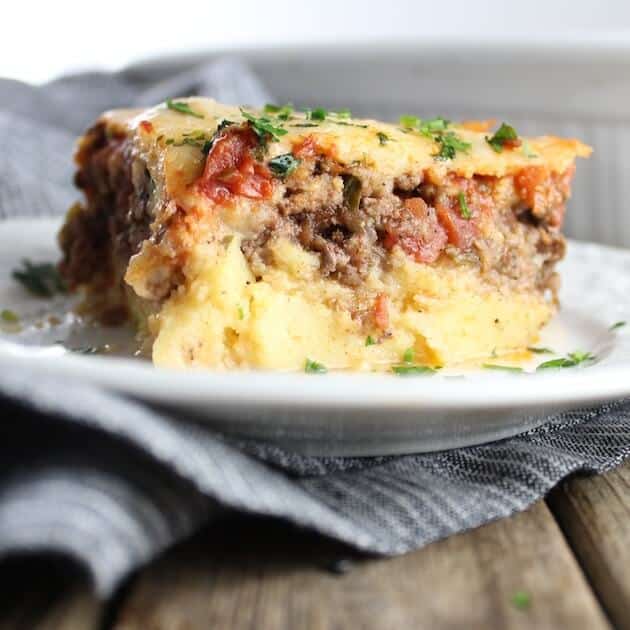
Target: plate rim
{"points": [[579, 386]]}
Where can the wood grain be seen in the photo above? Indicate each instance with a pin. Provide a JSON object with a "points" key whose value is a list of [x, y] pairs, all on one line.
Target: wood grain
{"points": [[594, 513], [46, 593], [262, 574]]}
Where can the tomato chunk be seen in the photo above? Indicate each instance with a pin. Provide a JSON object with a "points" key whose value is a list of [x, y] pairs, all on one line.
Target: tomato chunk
{"points": [[381, 311], [530, 183], [146, 126], [461, 232], [418, 233], [231, 170]]}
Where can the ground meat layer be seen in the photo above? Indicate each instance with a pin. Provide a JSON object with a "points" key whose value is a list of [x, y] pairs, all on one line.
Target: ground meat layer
{"points": [[508, 227]]}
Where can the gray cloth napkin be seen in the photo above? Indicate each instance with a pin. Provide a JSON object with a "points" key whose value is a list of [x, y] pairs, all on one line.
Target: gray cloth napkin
{"points": [[112, 482]]}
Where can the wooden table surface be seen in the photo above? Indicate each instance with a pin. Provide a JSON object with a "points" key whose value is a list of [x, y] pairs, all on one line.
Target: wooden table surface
{"points": [[564, 563]]}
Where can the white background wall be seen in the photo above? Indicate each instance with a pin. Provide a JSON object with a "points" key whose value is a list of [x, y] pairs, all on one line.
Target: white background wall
{"points": [[39, 40]]}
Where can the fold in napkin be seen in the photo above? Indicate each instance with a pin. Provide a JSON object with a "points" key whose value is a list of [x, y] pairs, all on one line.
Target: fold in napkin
{"points": [[112, 482]]}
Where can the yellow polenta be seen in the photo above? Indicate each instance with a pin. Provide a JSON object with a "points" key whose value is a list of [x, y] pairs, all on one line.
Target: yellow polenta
{"points": [[224, 318]]}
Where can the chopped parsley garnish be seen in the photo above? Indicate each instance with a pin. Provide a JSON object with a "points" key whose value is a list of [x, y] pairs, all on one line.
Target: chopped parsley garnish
{"points": [[349, 124], [521, 600], [540, 350], [464, 210], [313, 367], [504, 368], [41, 279], [182, 108], [572, 359], [370, 341], [413, 370], [199, 138], [319, 113], [10, 317], [408, 355], [241, 312], [410, 122], [425, 127], [352, 193], [283, 112], [436, 129], [383, 138], [263, 127], [504, 136], [433, 125], [617, 325], [342, 113], [450, 143], [284, 164]]}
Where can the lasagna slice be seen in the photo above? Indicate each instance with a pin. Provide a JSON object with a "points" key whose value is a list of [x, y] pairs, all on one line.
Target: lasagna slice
{"points": [[237, 238]]}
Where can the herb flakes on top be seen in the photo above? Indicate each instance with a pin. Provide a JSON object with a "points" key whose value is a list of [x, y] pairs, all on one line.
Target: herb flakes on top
{"points": [[182, 108], [264, 127], [505, 137]]}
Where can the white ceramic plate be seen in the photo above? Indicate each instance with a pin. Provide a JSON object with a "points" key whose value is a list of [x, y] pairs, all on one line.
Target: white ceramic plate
{"points": [[351, 414]]}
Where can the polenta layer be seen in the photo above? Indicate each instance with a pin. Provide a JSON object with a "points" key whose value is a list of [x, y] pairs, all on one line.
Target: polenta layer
{"points": [[222, 317]]}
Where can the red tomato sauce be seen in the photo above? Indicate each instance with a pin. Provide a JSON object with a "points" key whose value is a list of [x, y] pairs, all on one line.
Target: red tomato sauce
{"points": [[231, 169]]}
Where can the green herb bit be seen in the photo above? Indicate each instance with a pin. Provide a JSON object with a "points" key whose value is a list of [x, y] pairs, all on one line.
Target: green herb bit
{"points": [[413, 370], [342, 113], [408, 355], [433, 125], [383, 138], [8, 316], [425, 127], [370, 341], [464, 210], [241, 312], [580, 357], [209, 143], [352, 193], [345, 123], [283, 112], [617, 325], [319, 113], [505, 135], [555, 363], [182, 108], [521, 600], [540, 350], [410, 122], [313, 367], [450, 143], [504, 368], [263, 127], [284, 164], [572, 359], [41, 279]]}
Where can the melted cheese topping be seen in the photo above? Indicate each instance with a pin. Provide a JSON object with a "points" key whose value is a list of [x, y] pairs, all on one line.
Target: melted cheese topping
{"points": [[348, 141]]}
